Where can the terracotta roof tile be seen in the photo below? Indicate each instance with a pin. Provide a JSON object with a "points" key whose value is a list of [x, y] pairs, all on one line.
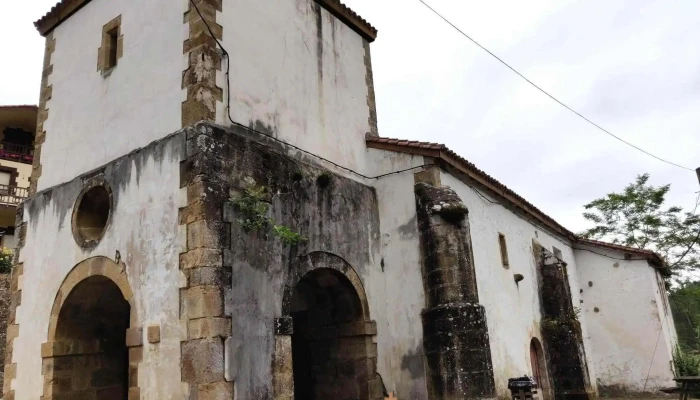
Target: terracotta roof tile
{"points": [[65, 8], [615, 246], [20, 106], [437, 150], [350, 17]]}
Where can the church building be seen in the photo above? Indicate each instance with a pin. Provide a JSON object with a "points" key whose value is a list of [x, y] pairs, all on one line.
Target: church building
{"points": [[213, 214]]}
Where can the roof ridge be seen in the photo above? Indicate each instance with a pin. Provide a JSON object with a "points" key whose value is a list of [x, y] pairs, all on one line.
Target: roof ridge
{"points": [[65, 8], [449, 156]]}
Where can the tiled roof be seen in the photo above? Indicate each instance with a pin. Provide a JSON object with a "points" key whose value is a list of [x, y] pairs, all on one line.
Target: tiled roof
{"points": [[618, 247], [442, 152], [58, 13], [65, 8], [19, 106], [350, 17]]}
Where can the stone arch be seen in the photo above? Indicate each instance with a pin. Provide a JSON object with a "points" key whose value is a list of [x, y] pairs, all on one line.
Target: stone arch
{"points": [[324, 342], [317, 260], [93, 348], [538, 364]]}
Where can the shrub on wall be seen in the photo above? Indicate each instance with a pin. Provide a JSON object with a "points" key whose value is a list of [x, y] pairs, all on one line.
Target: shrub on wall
{"points": [[685, 363], [5, 261]]}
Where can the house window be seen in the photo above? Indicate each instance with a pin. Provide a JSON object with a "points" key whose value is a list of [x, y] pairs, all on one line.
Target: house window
{"points": [[557, 253], [112, 45], [504, 249], [5, 178]]}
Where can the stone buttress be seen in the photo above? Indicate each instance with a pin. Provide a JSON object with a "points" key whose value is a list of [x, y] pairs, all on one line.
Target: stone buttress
{"points": [[455, 334]]}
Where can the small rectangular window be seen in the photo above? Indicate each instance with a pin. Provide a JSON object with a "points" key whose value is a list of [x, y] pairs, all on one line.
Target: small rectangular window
{"points": [[112, 37], [504, 249], [557, 253], [112, 45]]}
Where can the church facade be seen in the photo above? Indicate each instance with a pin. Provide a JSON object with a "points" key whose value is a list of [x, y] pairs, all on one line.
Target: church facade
{"points": [[213, 214]]}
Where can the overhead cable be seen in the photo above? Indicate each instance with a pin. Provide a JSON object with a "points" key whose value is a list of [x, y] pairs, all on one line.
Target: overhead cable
{"points": [[549, 95]]}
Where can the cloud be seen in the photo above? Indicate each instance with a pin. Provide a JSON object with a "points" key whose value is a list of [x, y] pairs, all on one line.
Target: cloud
{"points": [[631, 66]]}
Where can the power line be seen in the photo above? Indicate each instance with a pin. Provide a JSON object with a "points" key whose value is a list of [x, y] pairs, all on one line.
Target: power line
{"points": [[225, 55], [549, 95]]}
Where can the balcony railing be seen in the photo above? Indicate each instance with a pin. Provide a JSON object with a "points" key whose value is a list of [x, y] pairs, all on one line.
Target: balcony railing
{"points": [[12, 195], [16, 152]]}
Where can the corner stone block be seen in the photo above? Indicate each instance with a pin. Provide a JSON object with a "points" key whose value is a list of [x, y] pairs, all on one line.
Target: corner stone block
{"points": [[134, 337], [202, 361], [215, 391], [134, 393], [209, 328], [201, 302], [208, 234]]}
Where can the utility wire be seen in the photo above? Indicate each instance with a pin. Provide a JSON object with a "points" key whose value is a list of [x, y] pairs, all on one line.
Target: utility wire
{"points": [[228, 110], [549, 95]]}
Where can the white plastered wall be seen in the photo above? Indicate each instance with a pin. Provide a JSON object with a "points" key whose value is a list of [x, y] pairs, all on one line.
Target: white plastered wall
{"points": [[512, 311], [400, 339], [144, 230], [289, 78], [94, 119], [633, 333]]}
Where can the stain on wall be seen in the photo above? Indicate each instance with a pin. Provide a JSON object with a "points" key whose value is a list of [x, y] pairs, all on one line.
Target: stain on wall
{"points": [[335, 214]]}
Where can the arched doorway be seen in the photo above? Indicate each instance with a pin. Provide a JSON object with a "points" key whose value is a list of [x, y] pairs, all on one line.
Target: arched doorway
{"points": [[333, 353], [86, 355], [539, 369]]}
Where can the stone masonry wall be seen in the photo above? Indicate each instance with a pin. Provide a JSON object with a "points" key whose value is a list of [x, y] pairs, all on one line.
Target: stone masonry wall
{"points": [[336, 215], [456, 340], [15, 301], [561, 330], [4, 313]]}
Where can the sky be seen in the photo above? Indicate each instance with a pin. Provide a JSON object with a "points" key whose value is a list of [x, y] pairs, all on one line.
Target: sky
{"points": [[631, 66]]}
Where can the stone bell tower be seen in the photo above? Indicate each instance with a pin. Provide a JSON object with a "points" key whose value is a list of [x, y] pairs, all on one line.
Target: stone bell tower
{"points": [[131, 279]]}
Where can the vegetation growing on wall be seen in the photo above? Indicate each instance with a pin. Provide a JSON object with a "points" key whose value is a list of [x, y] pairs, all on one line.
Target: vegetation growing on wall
{"points": [[5, 261], [685, 306], [685, 363], [253, 205], [564, 323]]}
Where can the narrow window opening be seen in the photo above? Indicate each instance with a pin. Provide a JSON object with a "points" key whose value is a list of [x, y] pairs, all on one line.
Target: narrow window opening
{"points": [[504, 249], [111, 39], [112, 46]]}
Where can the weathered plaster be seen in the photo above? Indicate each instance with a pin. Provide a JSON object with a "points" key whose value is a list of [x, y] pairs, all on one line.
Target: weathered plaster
{"points": [[632, 315], [5, 298], [401, 343], [104, 117], [340, 218], [310, 85], [143, 233], [512, 310]]}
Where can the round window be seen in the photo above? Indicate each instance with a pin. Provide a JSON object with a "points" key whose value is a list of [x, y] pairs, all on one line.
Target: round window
{"points": [[91, 215]]}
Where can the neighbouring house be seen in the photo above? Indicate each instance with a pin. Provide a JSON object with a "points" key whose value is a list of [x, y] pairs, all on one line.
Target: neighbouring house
{"points": [[17, 127], [210, 224]]}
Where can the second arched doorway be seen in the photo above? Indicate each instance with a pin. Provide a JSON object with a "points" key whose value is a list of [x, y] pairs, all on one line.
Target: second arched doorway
{"points": [[539, 369], [332, 348], [331, 337]]}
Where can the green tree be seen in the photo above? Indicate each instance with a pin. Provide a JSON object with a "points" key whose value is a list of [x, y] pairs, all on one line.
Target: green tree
{"points": [[685, 305], [637, 217]]}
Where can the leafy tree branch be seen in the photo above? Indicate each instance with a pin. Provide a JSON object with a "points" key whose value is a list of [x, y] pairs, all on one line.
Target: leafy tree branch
{"points": [[638, 217]]}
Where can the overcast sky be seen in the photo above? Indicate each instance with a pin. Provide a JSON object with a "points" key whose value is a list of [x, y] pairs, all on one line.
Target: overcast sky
{"points": [[632, 66]]}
